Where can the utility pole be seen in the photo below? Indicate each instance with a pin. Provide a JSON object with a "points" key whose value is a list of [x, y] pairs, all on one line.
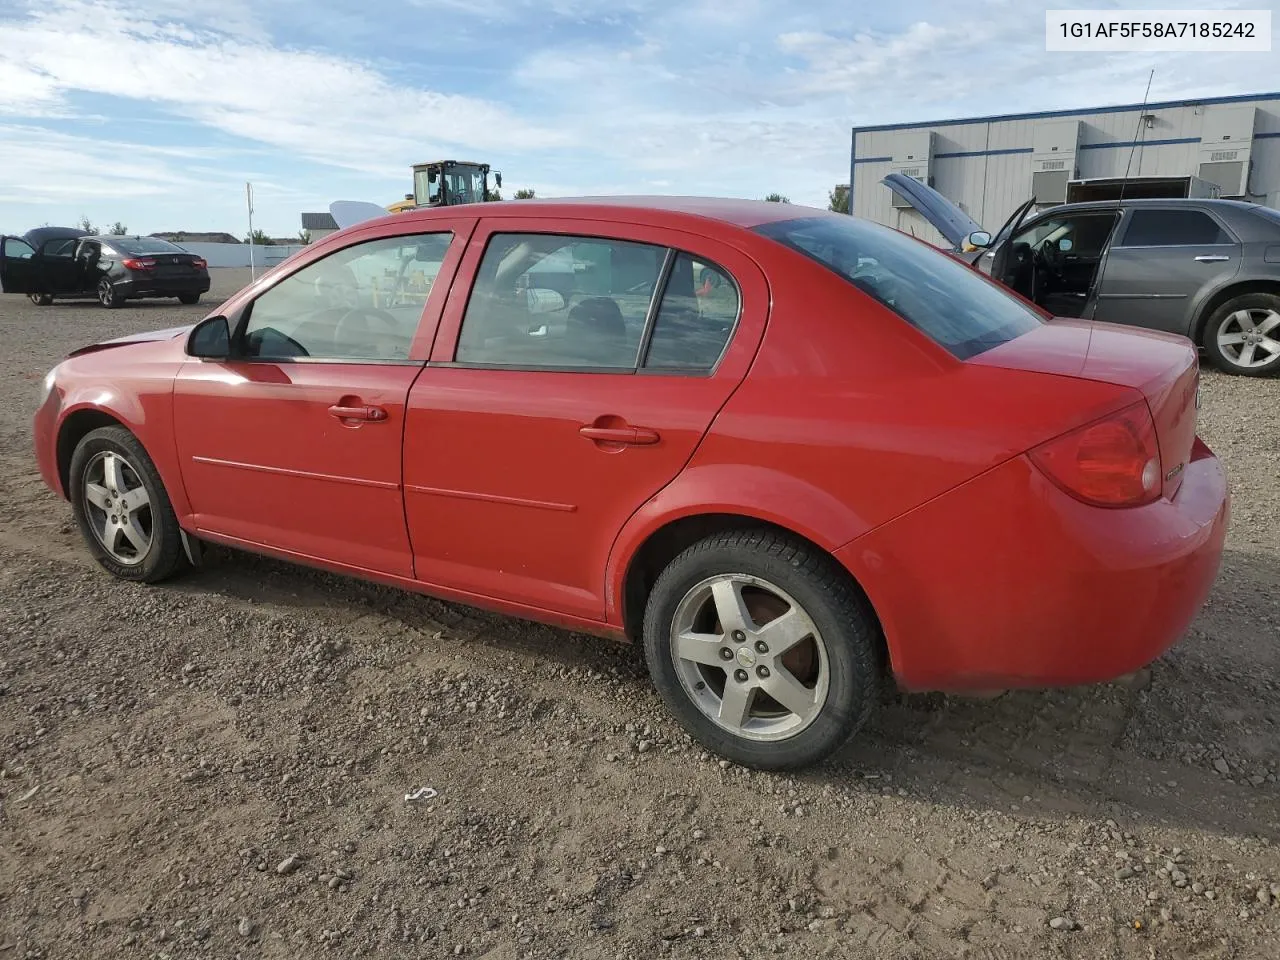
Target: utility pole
{"points": [[248, 196]]}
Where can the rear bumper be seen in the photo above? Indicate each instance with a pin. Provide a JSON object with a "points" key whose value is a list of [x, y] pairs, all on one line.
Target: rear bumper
{"points": [[162, 286], [1009, 582]]}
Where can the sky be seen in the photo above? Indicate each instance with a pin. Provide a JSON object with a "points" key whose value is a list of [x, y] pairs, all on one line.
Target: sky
{"points": [[157, 114]]}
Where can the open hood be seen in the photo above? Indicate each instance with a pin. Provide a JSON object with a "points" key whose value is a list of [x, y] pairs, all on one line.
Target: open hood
{"points": [[41, 235], [947, 218]]}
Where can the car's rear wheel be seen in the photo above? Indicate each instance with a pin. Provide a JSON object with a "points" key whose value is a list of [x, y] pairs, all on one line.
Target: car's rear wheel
{"points": [[1243, 335], [763, 648], [188, 298], [41, 299], [107, 295], [122, 509]]}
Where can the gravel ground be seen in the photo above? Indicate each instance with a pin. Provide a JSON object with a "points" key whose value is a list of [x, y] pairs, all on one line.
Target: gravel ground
{"points": [[218, 767]]}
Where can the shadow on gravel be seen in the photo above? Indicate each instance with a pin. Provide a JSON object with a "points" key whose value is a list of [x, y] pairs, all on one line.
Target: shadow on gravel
{"points": [[1150, 750]]}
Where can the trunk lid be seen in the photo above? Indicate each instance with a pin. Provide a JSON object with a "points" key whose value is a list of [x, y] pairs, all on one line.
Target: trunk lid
{"points": [[1163, 367], [947, 218], [169, 265]]}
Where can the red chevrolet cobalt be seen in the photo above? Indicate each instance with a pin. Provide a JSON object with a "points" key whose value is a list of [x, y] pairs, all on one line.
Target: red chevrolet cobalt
{"points": [[792, 453]]}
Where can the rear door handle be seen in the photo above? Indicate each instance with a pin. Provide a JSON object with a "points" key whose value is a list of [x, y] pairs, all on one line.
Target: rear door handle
{"points": [[357, 413], [641, 436], [1212, 258]]}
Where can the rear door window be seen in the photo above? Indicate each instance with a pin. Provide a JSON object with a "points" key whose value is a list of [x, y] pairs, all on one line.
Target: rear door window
{"points": [[1173, 228], [947, 301], [560, 302], [695, 319]]}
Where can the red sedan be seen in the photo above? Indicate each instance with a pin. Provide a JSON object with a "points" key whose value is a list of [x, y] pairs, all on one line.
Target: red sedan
{"points": [[792, 453]]}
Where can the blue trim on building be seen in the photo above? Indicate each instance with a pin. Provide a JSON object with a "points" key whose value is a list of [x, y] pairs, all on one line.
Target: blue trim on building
{"points": [[1164, 105], [1108, 145], [1138, 143], [981, 153]]}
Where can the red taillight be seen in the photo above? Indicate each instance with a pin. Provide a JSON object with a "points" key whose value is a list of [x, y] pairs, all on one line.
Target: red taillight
{"points": [[1113, 462], [200, 264], [136, 264]]}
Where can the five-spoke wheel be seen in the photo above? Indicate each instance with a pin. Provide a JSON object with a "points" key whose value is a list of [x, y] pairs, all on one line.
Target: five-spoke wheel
{"points": [[1243, 335], [763, 647], [121, 507], [749, 657], [118, 506]]}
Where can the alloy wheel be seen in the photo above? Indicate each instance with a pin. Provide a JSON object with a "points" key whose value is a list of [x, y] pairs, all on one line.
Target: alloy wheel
{"points": [[106, 293], [750, 657], [1250, 337], [118, 507]]}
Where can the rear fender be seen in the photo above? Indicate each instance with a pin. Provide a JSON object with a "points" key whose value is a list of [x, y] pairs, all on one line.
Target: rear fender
{"points": [[730, 489]]}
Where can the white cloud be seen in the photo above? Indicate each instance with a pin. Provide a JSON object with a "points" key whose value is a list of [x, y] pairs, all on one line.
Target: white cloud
{"points": [[317, 105]]}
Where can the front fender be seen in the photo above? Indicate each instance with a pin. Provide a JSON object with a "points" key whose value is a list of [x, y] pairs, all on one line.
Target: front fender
{"points": [[734, 489], [147, 414]]}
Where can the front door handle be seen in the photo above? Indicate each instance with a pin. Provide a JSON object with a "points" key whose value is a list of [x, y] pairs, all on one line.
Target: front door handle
{"points": [[357, 413], [640, 436], [1212, 258]]}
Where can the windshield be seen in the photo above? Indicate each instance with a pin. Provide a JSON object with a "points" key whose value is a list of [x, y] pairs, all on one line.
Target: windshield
{"points": [[464, 183], [137, 246], [948, 301]]}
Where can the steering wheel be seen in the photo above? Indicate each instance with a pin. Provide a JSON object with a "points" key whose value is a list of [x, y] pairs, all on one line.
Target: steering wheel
{"points": [[1051, 257], [353, 326]]}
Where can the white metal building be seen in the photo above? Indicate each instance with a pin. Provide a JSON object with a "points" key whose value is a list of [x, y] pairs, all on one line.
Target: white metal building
{"points": [[1221, 146]]}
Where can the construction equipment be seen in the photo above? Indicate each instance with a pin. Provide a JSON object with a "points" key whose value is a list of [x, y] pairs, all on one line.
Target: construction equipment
{"points": [[441, 183]]}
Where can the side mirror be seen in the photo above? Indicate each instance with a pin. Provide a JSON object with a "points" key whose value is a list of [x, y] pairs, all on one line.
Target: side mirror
{"points": [[543, 300], [210, 339], [497, 177], [979, 238]]}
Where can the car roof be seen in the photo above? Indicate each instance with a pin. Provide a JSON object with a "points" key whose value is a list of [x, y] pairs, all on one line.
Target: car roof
{"points": [[733, 212], [1210, 202]]}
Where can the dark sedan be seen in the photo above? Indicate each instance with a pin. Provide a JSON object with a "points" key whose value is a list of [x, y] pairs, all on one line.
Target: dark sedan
{"points": [[1207, 269], [61, 262]]}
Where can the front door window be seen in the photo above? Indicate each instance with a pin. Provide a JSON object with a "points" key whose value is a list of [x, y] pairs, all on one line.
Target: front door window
{"points": [[361, 303]]}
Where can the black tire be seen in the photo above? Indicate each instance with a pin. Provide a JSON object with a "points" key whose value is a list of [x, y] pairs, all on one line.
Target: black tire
{"points": [[832, 602], [164, 556], [41, 299], [1221, 321], [188, 298], [107, 295]]}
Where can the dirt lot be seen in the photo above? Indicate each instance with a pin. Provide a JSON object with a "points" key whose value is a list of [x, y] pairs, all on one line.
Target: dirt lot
{"points": [[218, 768]]}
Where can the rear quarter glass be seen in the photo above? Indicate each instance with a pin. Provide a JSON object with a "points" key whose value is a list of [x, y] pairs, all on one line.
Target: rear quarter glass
{"points": [[946, 300]]}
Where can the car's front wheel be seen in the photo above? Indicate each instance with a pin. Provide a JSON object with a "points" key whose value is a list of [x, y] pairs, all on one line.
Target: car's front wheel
{"points": [[122, 509], [107, 295], [1243, 335], [188, 298], [41, 299], [763, 648]]}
